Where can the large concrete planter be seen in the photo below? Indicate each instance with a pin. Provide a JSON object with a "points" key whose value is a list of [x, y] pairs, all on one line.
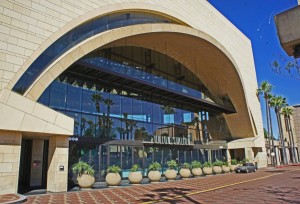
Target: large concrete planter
{"points": [[135, 177], [154, 176], [86, 180], [197, 171], [232, 167], [185, 173], [217, 169], [171, 174], [113, 179], [207, 170], [226, 169]]}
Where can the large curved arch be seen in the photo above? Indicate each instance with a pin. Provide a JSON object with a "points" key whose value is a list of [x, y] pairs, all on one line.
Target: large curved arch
{"points": [[178, 32]]}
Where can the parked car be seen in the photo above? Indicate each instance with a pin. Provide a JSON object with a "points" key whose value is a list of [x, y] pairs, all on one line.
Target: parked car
{"points": [[247, 167]]}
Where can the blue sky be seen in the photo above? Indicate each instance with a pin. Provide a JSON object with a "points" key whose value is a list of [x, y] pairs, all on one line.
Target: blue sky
{"points": [[255, 19]]}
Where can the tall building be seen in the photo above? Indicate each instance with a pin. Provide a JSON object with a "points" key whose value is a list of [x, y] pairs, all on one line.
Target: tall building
{"points": [[121, 82]]}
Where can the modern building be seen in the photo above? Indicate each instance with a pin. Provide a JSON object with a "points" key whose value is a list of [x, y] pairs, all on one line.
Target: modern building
{"points": [[291, 134], [121, 82], [288, 30]]}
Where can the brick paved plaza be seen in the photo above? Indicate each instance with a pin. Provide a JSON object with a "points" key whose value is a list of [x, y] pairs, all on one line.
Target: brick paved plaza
{"points": [[268, 185]]}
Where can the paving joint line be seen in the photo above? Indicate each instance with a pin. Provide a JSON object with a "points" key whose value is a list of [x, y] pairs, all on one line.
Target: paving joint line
{"points": [[219, 187]]}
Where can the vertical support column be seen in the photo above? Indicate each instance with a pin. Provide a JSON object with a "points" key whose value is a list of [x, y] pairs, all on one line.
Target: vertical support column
{"points": [[57, 178], [228, 156], [10, 151], [249, 154]]}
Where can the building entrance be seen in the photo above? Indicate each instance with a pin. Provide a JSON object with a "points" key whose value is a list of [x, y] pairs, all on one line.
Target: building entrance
{"points": [[33, 165]]}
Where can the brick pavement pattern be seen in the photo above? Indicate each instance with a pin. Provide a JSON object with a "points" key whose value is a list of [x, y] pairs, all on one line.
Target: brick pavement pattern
{"points": [[264, 186]]}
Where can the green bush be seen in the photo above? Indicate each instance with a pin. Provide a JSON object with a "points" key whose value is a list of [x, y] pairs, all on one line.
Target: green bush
{"points": [[196, 164], [207, 164], [218, 163], [225, 163], [154, 166], [82, 168], [172, 164], [244, 161], [234, 162], [113, 169], [185, 166], [135, 168]]}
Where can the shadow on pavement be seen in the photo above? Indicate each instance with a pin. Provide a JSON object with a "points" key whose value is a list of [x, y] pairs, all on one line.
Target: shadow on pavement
{"points": [[169, 195]]}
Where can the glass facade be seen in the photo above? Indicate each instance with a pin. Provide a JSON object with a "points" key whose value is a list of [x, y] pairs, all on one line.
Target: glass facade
{"points": [[131, 106], [79, 34]]}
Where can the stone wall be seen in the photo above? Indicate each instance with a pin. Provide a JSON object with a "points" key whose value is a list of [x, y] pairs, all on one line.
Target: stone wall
{"points": [[10, 149]]}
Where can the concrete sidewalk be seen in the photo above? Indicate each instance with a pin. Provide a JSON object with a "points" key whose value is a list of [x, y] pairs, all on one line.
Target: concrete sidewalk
{"points": [[168, 192]]}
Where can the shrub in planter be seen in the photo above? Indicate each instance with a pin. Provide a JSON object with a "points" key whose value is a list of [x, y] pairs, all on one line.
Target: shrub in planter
{"points": [[225, 167], [217, 167], [135, 176], [154, 175], [185, 171], [233, 164], [171, 173], [113, 177], [207, 168], [196, 168], [85, 174]]}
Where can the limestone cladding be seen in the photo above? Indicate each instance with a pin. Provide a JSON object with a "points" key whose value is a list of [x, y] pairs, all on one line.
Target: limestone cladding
{"points": [[10, 148], [29, 27]]}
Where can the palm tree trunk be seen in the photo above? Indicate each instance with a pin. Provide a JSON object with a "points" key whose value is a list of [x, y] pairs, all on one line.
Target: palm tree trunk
{"points": [[293, 143], [273, 146], [287, 126], [281, 137], [268, 127]]}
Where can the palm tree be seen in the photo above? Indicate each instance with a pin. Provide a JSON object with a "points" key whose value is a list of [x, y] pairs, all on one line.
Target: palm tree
{"points": [[108, 102], [274, 159], [97, 98], [265, 89], [287, 112], [278, 102]]}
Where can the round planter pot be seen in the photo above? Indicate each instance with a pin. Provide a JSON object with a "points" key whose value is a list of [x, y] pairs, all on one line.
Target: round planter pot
{"points": [[113, 179], [217, 169], [85, 180], [226, 169], [207, 170], [232, 167], [135, 177], [185, 173], [154, 176], [197, 171], [171, 174]]}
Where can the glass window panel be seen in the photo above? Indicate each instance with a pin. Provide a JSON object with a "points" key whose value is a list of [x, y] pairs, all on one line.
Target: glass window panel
{"points": [[127, 106], [149, 158], [147, 111], [127, 158], [114, 155], [103, 161], [74, 98], [77, 122], [169, 119], [88, 125], [179, 116], [138, 156], [115, 110], [157, 114], [88, 105], [137, 113], [106, 103], [58, 95], [187, 117]]}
